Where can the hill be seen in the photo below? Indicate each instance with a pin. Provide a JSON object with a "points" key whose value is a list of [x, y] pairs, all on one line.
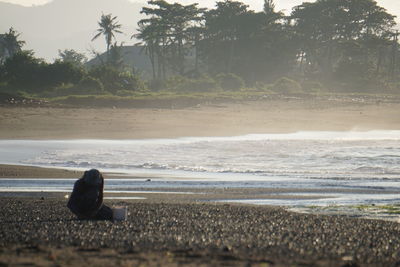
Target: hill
{"points": [[133, 56], [67, 24]]}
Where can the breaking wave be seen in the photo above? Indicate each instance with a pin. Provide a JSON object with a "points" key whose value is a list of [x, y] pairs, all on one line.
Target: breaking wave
{"points": [[303, 154]]}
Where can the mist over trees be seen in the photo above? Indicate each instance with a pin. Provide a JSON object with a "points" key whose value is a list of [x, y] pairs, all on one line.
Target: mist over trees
{"points": [[345, 41], [21, 71], [332, 45]]}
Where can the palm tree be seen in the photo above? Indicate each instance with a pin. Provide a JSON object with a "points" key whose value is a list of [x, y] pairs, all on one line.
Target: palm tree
{"points": [[269, 6], [165, 35], [150, 36], [108, 27]]}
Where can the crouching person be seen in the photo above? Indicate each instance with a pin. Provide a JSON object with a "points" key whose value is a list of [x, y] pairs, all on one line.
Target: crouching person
{"points": [[86, 200]]}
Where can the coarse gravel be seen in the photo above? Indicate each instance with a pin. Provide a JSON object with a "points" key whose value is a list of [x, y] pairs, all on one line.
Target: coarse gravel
{"points": [[238, 231]]}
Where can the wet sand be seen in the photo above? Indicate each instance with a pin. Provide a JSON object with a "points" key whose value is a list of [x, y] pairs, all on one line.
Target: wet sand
{"points": [[17, 171], [247, 117], [205, 194], [21, 171], [44, 233]]}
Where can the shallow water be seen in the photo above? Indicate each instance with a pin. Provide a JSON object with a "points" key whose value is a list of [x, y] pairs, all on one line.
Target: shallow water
{"points": [[303, 160]]}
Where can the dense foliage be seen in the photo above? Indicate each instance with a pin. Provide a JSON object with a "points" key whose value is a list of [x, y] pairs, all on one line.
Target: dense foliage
{"points": [[341, 43], [347, 45], [24, 72]]}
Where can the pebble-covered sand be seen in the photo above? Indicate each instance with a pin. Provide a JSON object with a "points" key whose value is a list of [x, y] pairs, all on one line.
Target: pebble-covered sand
{"points": [[173, 234]]}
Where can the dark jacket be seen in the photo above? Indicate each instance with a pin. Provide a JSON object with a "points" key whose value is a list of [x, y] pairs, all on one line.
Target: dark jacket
{"points": [[86, 200]]}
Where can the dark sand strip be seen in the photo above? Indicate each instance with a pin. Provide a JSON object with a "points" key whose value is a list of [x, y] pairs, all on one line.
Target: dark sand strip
{"points": [[19, 171]]}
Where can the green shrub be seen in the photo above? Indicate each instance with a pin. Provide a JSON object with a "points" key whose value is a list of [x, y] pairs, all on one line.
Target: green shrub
{"points": [[176, 83], [124, 93], [395, 87], [87, 86], [230, 81], [90, 85], [61, 90], [156, 85], [114, 80], [3, 86], [23, 71], [356, 72], [390, 88], [183, 84], [61, 72], [262, 87], [130, 81], [202, 84], [286, 86], [313, 87]]}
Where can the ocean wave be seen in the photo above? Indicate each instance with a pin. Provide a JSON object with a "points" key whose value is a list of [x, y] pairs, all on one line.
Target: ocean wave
{"points": [[220, 168], [280, 156]]}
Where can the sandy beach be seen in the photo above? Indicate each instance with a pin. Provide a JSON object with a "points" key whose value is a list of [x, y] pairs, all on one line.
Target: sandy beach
{"points": [[226, 119], [175, 230]]}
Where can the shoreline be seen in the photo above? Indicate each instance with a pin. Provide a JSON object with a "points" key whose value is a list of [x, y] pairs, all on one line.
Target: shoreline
{"points": [[233, 195], [21, 171], [25, 171]]}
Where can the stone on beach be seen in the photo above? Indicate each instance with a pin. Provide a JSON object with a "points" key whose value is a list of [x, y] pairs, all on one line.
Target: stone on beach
{"points": [[242, 232]]}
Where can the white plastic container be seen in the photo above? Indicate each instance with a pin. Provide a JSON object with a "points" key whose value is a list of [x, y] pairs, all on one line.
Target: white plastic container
{"points": [[120, 213]]}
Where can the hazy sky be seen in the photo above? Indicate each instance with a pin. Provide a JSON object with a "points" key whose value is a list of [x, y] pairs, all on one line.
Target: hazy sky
{"points": [[79, 38], [392, 5]]}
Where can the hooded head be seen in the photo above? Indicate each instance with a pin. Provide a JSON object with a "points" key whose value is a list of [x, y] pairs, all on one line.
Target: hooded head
{"points": [[93, 177]]}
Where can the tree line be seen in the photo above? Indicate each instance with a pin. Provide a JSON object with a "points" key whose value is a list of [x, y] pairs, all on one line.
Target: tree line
{"points": [[21, 71], [347, 41], [351, 45]]}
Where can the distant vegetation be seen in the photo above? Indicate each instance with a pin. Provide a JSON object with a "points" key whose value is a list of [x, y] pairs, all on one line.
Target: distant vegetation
{"points": [[325, 46]]}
